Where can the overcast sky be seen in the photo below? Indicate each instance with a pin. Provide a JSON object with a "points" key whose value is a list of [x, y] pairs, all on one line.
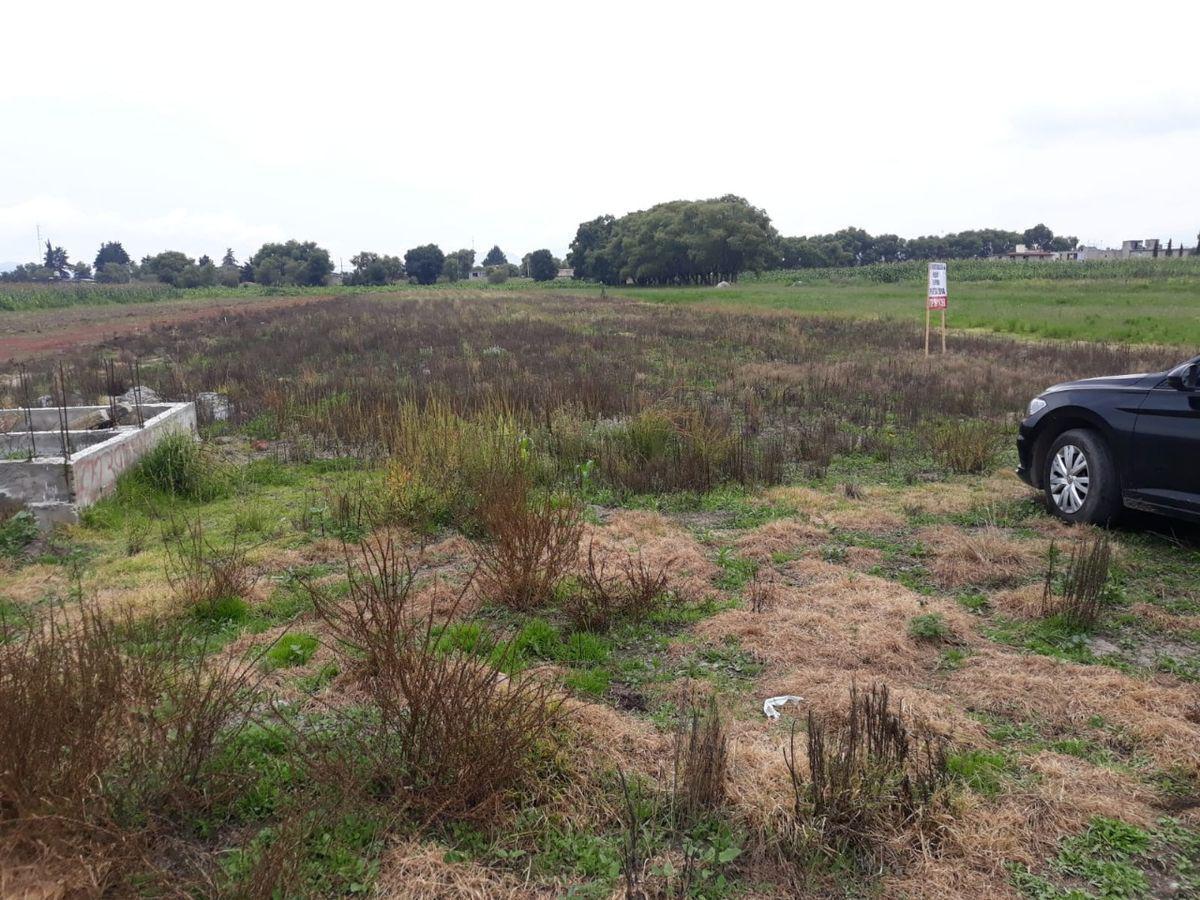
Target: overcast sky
{"points": [[196, 126]]}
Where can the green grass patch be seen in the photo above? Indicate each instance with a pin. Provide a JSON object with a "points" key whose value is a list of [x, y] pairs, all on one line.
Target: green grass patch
{"points": [[295, 648]]}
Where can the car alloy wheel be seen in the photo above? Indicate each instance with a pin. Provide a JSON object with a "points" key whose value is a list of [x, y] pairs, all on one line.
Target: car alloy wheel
{"points": [[1069, 479]]}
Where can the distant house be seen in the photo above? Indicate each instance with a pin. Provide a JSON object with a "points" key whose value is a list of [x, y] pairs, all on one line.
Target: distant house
{"points": [[1152, 248], [565, 273], [478, 273], [334, 279], [1023, 252]]}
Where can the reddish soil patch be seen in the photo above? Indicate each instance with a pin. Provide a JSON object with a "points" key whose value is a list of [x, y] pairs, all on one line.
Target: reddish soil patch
{"points": [[46, 332]]}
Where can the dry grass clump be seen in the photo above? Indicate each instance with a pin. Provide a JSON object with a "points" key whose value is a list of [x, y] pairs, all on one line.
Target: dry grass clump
{"points": [[965, 446], [202, 575], [631, 592], [869, 775], [701, 760], [660, 545], [867, 517], [1078, 597], [837, 622], [984, 556], [1032, 687], [105, 749], [779, 536], [414, 870], [531, 543], [448, 734]]}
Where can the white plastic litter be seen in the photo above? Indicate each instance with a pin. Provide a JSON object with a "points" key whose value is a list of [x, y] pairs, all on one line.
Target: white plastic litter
{"points": [[771, 704]]}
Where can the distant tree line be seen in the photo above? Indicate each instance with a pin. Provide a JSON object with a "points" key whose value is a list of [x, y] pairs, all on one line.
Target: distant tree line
{"points": [[856, 247], [294, 263], [705, 241], [680, 242]]}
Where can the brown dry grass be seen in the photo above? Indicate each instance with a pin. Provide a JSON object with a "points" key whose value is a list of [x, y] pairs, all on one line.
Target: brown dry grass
{"points": [[957, 496], [983, 556], [779, 536], [417, 870], [1025, 686], [659, 543], [838, 621]]}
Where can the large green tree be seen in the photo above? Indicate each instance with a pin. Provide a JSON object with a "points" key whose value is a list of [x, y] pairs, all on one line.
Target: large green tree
{"points": [[681, 242], [542, 266], [1038, 236], [110, 252], [495, 257], [375, 268], [589, 255], [424, 263], [294, 262], [465, 260], [168, 267]]}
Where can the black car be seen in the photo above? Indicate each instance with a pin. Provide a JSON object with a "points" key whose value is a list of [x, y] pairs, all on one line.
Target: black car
{"points": [[1099, 444]]}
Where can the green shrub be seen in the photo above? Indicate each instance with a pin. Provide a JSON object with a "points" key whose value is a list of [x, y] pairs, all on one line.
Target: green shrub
{"points": [[17, 532]]}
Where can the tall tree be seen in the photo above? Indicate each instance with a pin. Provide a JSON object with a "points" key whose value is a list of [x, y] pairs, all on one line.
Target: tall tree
{"points": [[465, 261], [168, 267], [373, 268], [1038, 236], [588, 254], [680, 242], [110, 252], [495, 257], [424, 263], [229, 259], [294, 262], [542, 266], [56, 261]]}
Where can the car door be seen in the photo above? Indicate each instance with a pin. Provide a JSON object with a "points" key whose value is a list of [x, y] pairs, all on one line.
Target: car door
{"points": [[1166, 447]]}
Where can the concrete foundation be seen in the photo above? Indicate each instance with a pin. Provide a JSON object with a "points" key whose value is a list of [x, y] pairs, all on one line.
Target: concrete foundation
{"points": [[54, 486]]}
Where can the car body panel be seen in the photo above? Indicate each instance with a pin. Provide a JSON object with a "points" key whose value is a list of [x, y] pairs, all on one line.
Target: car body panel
{"points": [[1151, 427]]}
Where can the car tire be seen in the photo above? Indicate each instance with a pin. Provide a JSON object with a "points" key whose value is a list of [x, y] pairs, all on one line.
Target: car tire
{"points": [[1080, 479]]}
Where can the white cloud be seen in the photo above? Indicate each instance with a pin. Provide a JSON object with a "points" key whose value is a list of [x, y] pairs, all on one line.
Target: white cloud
{"points": [[380, 127]]}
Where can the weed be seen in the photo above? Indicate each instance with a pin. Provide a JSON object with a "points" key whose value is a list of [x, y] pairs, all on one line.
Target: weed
{"points": [[929, 627], [130, 756], [1081, 591], [602, 597], [701, 758], [292, 649], [177, 467], [17, 532], [204, 578], [980, 770], [589, 681], [868, 773], [966, 446], [530, 546], [448, 734], [762, 592]]}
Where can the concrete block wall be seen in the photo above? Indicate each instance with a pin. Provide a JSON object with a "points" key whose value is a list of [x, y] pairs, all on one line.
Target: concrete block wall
{"points": [[55, 488]]}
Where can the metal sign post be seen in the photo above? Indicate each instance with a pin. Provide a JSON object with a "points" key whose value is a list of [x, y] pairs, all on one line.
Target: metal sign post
{"points": [[936, 299]]}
